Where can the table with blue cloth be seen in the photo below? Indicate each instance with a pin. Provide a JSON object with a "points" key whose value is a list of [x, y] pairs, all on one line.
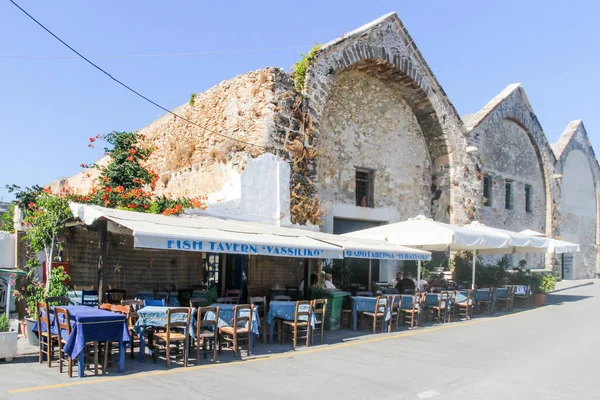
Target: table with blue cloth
{"points": [[226, 319], [461, 296], [156, 317], [90, 324], [285, 310], [367, 304]]}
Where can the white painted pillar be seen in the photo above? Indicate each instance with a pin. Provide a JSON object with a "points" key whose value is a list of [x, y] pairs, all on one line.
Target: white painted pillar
{"points": [[418, 274], [369, 280], [474, 263]]}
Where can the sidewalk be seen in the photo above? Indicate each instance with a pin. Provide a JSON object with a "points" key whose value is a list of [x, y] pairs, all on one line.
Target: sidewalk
{"points": [[571, 284]]}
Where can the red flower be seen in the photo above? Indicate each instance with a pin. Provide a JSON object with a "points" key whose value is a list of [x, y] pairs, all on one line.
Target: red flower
{"points": [[92, 140], [82, 165], [133, 152], [31, 204], [120, 189], [130, 158]]}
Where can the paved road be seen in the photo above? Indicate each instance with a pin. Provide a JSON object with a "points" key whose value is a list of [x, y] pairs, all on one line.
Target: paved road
{"points": [[547, 353]]}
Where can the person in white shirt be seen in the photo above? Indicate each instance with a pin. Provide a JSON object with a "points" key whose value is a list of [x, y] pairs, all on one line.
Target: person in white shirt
{"points": [[422, 285], [328, 282]]}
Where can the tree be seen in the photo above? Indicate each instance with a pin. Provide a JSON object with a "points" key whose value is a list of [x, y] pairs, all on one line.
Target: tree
{"points": [[44, 218]]}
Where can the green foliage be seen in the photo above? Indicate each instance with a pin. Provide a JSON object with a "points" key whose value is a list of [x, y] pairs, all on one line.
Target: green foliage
{"points": [[6, 220], [32, 290], [302, 66], [485, 275], [26, 196], [4, 325], [375, 288], [543, 283], [192, 99], [212, 295]]}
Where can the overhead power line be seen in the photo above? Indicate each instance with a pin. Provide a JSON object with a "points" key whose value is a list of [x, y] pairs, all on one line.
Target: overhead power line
{"points": [[158, 55], [132, 90]]}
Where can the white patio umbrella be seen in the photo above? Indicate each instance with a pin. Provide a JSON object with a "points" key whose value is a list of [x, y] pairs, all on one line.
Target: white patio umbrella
{"points": [[426, 234], [554, 245], [518, 241]]}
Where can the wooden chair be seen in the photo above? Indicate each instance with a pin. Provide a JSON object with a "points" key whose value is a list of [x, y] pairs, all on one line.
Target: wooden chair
{"points": [[319, 307], [47, 339], [282, 297], [235, 294], [239, 333], [106, 306], [62, 318], [115, 296], [226, 300], [395, 311], [379, 312], [155, 303], [132, 318], [58, 301], [134, 304], [410, 309], [524, 299], [506, 301], [207, 330], [163, 340], [486, 303], [438, 311], [260, 304], [450, 307], [89, 298], [465, 308], [300, 326], [197, 302]]}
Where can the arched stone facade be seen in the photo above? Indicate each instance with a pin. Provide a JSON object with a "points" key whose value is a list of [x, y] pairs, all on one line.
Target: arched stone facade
{"points": [[385, 51], [579, 199], [510, 120]]}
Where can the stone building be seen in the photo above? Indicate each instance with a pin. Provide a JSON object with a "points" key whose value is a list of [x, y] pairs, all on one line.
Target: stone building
{"points": [[372, 138]]}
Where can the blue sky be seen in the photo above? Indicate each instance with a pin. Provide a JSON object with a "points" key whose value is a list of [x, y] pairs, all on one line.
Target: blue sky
{"points": [[49, 107]]}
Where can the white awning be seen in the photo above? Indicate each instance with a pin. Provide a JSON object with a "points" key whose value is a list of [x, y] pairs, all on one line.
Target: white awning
{"points": [[209, 234], [518, 242], [205, 235], [425, 233], [554, 245]]}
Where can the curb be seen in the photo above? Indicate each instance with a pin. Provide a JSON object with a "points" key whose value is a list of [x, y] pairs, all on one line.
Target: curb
{"points": [[572, 287]]}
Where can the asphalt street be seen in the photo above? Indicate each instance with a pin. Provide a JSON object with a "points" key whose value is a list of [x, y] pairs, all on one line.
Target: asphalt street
{"points": [[545, 353]]}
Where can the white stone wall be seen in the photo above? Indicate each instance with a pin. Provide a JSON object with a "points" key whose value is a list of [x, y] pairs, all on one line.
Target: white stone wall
{"points": [[578, 213], [367, 124]]}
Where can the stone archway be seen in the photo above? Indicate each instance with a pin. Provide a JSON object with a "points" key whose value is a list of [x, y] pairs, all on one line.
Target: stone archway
{"points": [[384, 51]]}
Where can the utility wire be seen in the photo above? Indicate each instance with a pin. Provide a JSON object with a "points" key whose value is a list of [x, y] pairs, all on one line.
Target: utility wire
{"points": [[159, 55], [129, 88]]}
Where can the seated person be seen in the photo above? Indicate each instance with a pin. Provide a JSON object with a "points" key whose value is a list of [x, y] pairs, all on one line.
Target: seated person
{"points": [[328, 282], [405, 285]]}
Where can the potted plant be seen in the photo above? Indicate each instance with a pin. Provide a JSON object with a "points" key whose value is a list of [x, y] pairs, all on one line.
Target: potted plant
{"points": [[8, 340], [32, 292], [541, 285]]}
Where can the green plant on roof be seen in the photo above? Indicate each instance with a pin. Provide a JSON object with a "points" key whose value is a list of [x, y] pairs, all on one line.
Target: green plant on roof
{"points": [[302, 66], [192, 99]]}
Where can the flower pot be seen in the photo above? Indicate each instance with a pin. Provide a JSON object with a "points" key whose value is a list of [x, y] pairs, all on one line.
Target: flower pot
{"points": [[8, 345], [32, 337], [539, 299]]}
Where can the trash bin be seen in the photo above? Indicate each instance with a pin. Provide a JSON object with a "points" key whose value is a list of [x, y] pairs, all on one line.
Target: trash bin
{"points": [[333, 313]]}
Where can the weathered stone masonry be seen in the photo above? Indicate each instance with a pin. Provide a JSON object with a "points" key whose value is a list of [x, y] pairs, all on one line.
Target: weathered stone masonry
{"points": [[371, 101]]}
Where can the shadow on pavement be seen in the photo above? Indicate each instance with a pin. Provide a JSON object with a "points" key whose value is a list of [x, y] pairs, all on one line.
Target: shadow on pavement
{"points": [[552, 299]]}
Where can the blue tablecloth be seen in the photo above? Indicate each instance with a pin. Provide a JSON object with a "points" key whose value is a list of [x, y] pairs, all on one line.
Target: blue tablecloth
{"points": [[226, 317], [367, 304], [520, 289], [501, 293], [153, 316], [461, 296], [92, 325]]}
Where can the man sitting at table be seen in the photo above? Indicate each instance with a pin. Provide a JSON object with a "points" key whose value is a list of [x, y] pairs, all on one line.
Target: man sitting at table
{"points": [[328, 282], [405, 285]]}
